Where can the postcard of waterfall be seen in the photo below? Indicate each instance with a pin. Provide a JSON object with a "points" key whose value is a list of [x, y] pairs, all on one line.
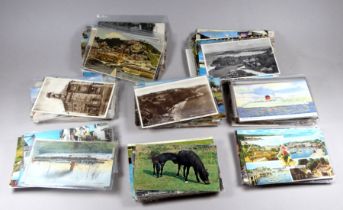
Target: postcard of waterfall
{"points": [[92, 132], [273, 100], [71, 97], [69, 164], [175, 101]]}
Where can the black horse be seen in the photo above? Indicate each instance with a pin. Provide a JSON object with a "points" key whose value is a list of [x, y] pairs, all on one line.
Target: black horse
{"points": [[187, 159], [158, 162]]}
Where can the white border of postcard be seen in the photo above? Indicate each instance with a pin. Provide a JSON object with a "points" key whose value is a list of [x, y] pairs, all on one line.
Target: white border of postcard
{"points": [[65, 113], [171, 85]]}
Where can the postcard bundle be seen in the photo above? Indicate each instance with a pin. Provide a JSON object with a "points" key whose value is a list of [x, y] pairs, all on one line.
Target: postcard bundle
{"points": [[126, 48], [160, 170], [283, 156], [270, 101], [74, 158], [232, 54]]}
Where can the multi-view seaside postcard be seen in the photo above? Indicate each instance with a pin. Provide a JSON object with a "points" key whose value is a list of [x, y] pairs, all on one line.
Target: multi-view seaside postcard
{"points": [[71, 97], [175, 101], [283, 156], [280, 99], [173, 168], [243, 58], [100, 133], [124, 55]]}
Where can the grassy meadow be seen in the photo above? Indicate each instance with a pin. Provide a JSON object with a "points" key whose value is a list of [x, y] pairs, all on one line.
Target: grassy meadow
{"points": [[143, 168]]}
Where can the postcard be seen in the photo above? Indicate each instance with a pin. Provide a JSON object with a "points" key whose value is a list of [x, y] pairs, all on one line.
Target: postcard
{"points": [[277, 156], [243, 58], [70, 97], [164, 167], [94, 132], [273, 99], [135, 27], [123, 55], [175, 102], [208, 34], [69, 164]]}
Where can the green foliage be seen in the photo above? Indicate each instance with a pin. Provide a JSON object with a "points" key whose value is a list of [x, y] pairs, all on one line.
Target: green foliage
{"points": [[144, 180], [19, 154]]}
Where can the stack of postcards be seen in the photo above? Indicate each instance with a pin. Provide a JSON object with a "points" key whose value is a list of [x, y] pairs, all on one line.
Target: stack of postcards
{"points": [[161, 170], [232, 54], [181, 103], [283, 156], [270, 101], [74, 158], [126, 48], [72, 99], [227, 54]]}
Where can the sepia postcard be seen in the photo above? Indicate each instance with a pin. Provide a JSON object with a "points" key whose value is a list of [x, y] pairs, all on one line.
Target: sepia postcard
{"points": [[175, 101], [272, 99], [70, 97], [243, 58], [69, 164], [279, 156], [122, 54]]}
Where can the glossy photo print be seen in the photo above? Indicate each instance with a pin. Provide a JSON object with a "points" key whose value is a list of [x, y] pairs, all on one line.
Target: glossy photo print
{"points": [[175, 101], [273, 100]]}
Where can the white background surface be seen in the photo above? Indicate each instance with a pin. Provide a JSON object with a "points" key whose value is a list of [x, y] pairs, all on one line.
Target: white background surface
{"points": [[39, 38]]}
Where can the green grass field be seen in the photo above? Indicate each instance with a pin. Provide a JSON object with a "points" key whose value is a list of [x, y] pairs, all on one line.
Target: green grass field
{"points": [[144, 180]]}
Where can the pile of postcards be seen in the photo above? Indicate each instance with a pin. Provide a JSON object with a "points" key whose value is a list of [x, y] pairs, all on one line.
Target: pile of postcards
{"points": [[73, 99], [74, 158], [227, 54], [270, 101], [161, 170], [179, 103], [232, 54], [130, 48], [283, 156], [254, 95]]}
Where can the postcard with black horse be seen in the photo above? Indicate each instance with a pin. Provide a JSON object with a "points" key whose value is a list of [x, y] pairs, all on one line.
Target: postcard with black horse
{"points": [[183, 166]]}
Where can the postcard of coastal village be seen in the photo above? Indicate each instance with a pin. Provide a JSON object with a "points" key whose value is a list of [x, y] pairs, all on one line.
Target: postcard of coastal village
{"points": [[279, 156], [244, 58]]}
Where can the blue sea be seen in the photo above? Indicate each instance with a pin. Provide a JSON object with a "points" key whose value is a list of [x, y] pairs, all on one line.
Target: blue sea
{"points": [[302, 153], [278, 178], [276, 111], [221, 108]]}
